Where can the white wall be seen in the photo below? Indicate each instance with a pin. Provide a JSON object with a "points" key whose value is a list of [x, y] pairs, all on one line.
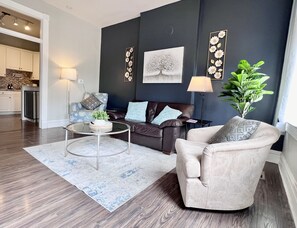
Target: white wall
{"points": [[290, 149], [288, 167], [72, 43]]}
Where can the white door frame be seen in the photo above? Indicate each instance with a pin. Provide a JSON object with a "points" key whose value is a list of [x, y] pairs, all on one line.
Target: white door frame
{"points": [[44, 43]]}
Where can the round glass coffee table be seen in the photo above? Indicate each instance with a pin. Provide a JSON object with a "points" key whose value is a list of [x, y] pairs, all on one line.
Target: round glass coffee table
{"points": [[84, 129]]}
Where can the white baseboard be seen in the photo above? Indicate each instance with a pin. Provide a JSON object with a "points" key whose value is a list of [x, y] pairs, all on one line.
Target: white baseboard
{"points": [[290, 185], [57, 123], [274, 156]]}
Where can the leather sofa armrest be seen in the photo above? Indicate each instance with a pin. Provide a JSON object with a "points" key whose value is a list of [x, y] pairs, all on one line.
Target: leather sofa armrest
{"points": [[172, 123], [116, 115]]}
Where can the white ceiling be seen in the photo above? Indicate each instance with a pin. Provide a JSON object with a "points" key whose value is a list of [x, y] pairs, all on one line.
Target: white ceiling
{"points": [[103, 13]]}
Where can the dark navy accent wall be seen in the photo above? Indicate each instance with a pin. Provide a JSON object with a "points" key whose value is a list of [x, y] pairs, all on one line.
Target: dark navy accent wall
{"points": [[170, 26], [257, 30], [115, 40]]}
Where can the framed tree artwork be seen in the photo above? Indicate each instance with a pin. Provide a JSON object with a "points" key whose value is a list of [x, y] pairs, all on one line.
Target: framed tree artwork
{"points": [[163, 66]]}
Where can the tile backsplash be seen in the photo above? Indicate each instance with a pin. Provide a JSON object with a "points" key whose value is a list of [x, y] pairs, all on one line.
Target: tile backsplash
{"points": [[17, 79]]}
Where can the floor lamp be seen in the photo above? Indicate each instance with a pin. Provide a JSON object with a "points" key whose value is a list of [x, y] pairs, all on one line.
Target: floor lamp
{"points": [[70, 75], [201, 84]]}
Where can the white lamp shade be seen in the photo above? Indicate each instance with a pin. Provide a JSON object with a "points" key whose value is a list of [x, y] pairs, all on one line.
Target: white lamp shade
{"points": [[200, 84], [68, 73]]}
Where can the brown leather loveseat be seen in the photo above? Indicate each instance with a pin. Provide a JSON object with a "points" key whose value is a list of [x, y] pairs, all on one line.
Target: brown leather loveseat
{"points": [[160, 137]]}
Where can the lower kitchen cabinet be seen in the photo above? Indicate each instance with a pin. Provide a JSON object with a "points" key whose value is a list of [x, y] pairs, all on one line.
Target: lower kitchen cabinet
{"points": [[10, 101]]}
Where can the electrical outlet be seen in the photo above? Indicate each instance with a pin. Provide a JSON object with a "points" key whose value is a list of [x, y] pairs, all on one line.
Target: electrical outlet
{"points": [[80, 81], [262, 177]]}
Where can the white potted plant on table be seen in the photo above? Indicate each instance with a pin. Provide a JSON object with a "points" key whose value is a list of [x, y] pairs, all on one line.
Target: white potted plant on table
{"points": [[101, 118]]}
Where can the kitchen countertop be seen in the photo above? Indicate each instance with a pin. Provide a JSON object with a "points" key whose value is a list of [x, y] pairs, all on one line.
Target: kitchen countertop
{"points": [[10, 90], [30, 88]]}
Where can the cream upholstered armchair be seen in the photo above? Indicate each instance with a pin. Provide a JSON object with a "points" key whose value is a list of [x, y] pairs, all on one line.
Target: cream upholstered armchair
{"points": [[222, 176]]}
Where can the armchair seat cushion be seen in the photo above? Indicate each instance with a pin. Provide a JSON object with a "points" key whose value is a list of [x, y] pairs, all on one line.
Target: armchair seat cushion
{"points": [[148, 129], [189, 156]]}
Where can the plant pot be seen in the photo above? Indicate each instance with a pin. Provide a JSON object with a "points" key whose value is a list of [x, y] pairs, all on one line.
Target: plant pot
{"points": [[99, 122], [101, 128]]}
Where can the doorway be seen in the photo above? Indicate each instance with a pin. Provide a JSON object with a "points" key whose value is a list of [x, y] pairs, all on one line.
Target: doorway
{"points": [[43, 41]]}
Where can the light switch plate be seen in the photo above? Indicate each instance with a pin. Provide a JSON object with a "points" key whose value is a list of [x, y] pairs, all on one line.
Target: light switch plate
{"points": [[80, 81]]}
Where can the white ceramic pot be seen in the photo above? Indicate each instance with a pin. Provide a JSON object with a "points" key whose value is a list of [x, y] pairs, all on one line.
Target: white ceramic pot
{"points": [[99, 122]]}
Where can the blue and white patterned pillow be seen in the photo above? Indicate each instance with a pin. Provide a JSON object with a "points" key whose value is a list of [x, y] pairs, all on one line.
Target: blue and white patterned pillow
{"points": [[136, 111], [166, 114]]}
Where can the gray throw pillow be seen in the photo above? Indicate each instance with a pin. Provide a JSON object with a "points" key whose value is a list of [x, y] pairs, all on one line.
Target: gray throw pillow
{"points": [[90, 102], [236, 129]]}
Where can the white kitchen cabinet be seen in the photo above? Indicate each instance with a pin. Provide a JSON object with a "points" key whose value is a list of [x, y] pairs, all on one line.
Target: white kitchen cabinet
{"points": [[10, 101], [26, 60], [13, 58], [4, 102], [16, 102], [2, 60], [35, 74], [19, 59]]}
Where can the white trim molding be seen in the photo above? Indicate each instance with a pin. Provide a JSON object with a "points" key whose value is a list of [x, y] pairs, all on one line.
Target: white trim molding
{"points": [[44, 49], [290, 185], [57, 123], [274, 156], [19, 35], [291, 130]]}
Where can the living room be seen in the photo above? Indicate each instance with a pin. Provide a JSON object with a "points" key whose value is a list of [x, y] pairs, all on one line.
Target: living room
{"points": [[255, 31]]}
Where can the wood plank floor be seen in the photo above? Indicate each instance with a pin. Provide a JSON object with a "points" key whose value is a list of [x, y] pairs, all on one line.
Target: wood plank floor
{"points": [[33, 196]]}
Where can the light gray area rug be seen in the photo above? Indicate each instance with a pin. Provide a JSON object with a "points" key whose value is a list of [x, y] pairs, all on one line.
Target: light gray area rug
{"points": [[119, 178]]}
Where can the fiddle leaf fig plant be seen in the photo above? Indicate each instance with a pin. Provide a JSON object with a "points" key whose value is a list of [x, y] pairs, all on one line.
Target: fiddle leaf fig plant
{"points": [[245, 87]]}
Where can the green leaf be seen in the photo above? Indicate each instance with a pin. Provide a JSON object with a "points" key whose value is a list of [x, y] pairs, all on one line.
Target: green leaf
{"points": [[267, 92], [235, 83], [258, 64], [245, 86], [263, 79]]}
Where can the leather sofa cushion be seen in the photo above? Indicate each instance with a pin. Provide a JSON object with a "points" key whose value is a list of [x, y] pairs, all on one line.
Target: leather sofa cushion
{"points": [[147, 129], [151, 111], [130, 123]]}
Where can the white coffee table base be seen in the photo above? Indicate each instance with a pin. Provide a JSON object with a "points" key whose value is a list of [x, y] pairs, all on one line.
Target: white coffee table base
{"points": [[97, 156]]}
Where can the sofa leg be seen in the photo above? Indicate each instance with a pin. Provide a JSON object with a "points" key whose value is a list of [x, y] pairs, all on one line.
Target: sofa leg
{"points": [[167, 152]]}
